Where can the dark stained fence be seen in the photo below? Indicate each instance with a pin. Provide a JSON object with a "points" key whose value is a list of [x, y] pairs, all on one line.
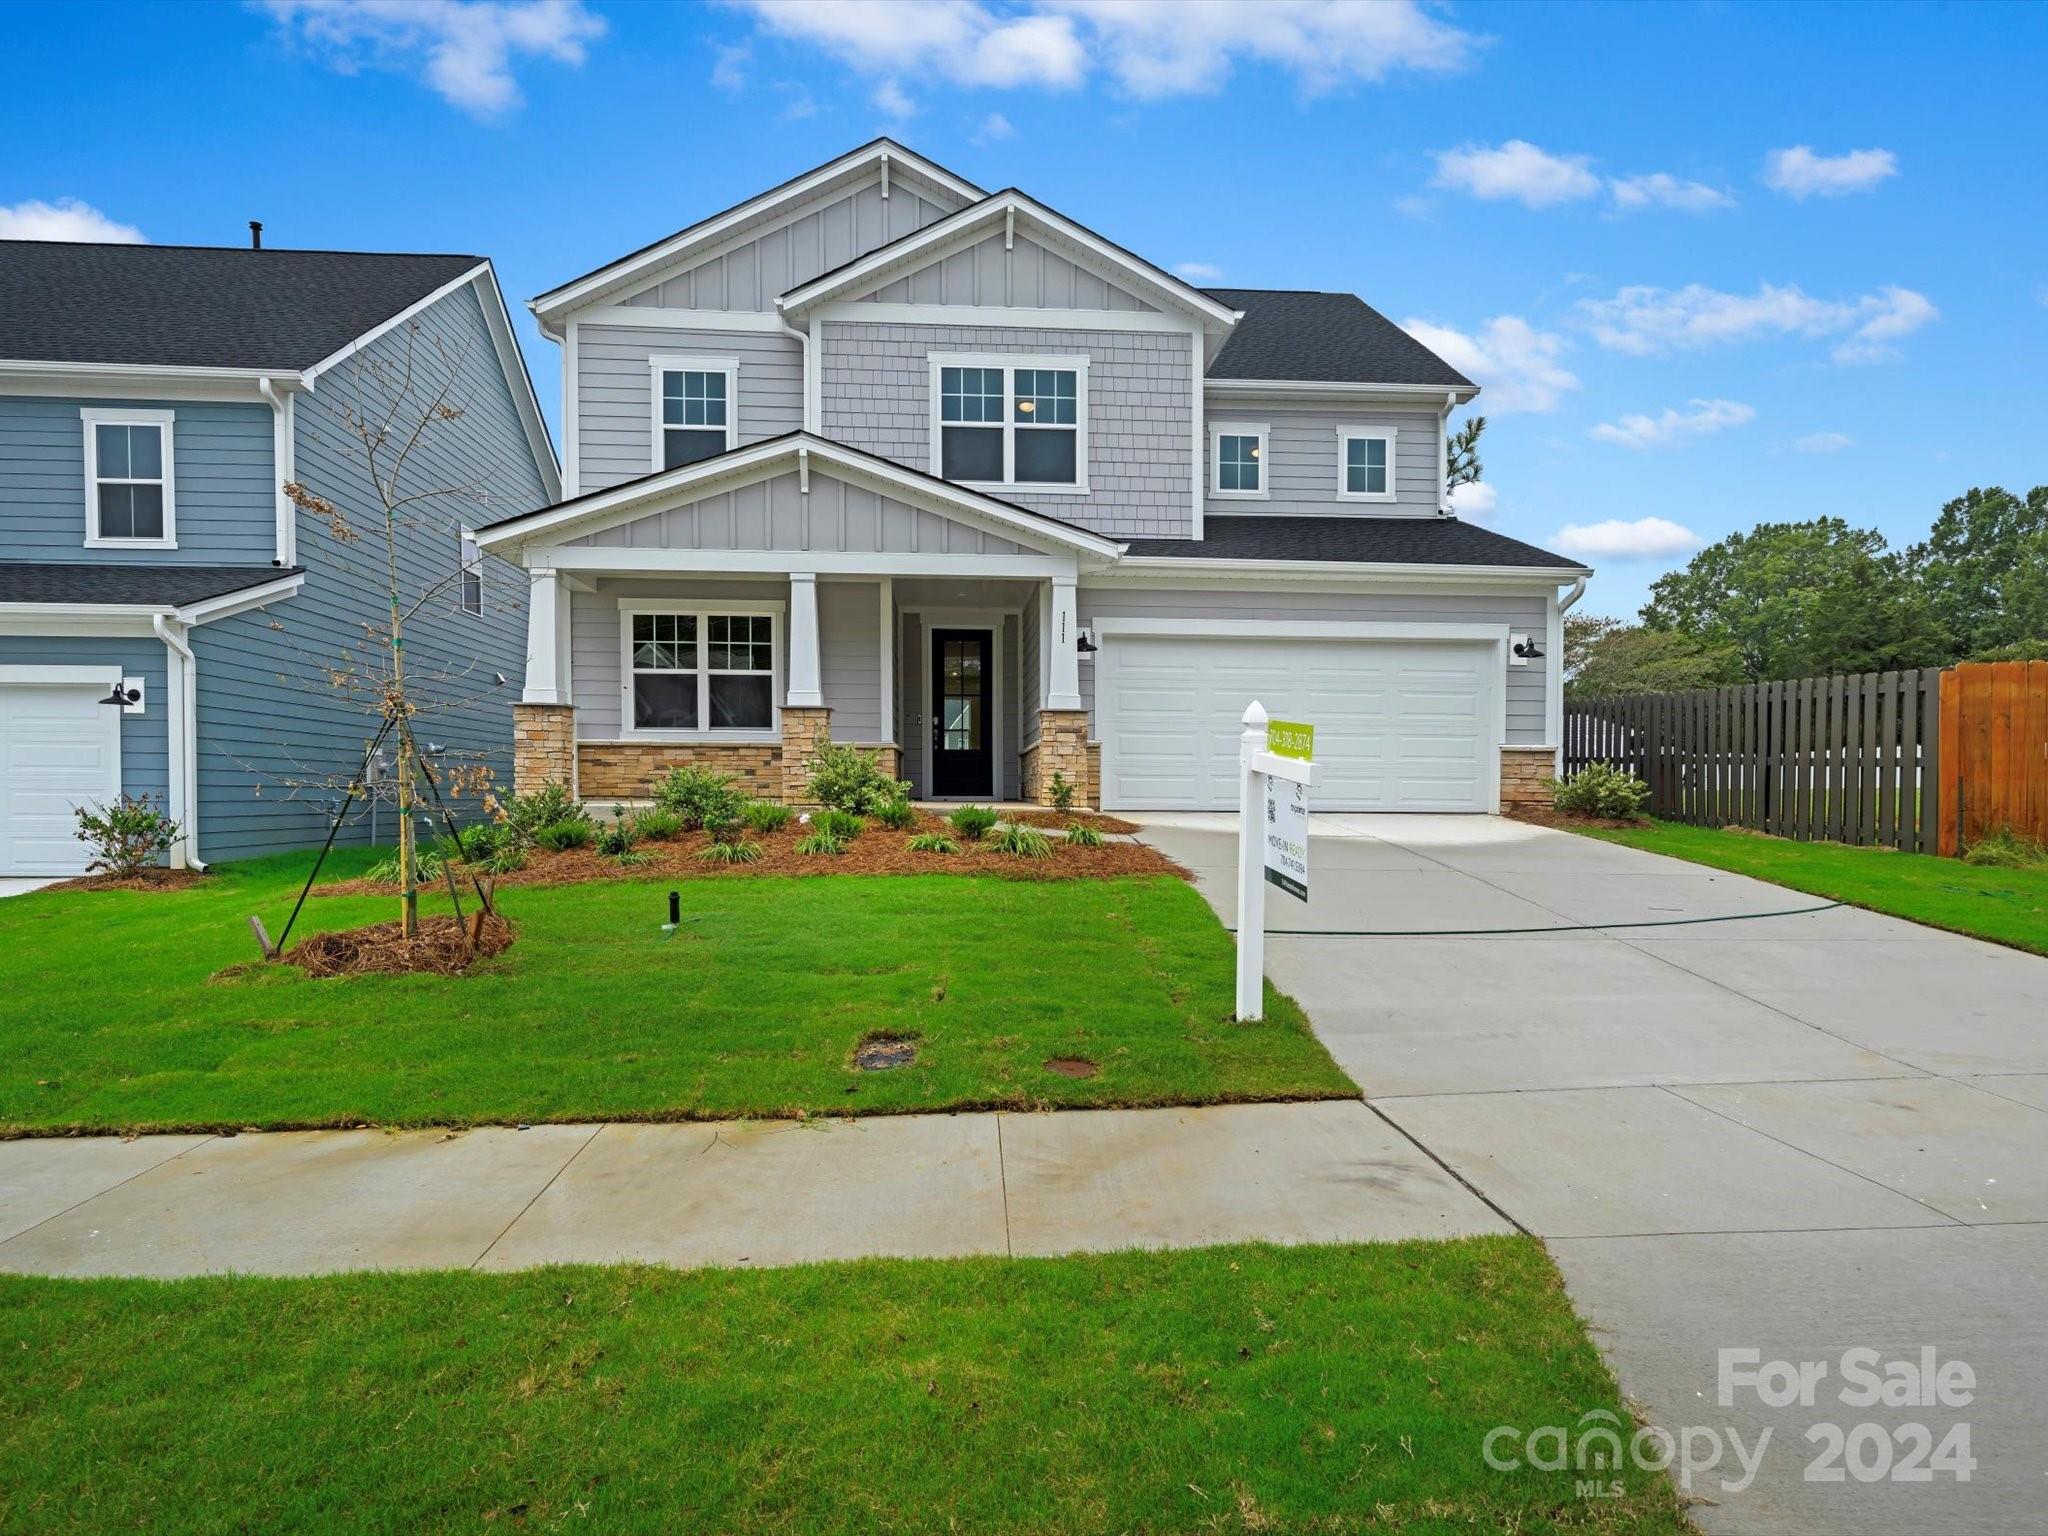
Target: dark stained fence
{"points": [[1994, 751], [1836, 759]]}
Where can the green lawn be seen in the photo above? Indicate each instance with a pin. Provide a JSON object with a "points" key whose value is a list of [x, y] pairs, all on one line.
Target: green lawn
{"points": [[2007, 906], [113, 1014], [1228, 1389]]}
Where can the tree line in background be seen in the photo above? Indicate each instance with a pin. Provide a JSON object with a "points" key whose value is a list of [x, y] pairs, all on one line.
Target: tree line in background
{"points": [[1806, 599]]}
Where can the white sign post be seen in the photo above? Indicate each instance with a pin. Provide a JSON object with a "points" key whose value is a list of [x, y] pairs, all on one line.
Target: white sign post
{"points": [[1272, 838]]}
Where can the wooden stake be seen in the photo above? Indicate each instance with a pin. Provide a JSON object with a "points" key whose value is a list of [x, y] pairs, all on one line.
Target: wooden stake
{"points": [[262, 936]]}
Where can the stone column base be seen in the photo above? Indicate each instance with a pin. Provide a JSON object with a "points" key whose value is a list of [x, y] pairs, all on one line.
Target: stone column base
{"points": [[1525, 773], [803, 728], [1062, 748], [543, 746]]}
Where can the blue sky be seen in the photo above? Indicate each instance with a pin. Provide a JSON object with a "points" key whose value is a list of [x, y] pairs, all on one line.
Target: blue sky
{"points": [[1716, 264]]}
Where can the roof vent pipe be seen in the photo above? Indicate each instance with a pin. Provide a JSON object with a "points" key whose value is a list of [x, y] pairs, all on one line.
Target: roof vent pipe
{"points": [[255, 234]]}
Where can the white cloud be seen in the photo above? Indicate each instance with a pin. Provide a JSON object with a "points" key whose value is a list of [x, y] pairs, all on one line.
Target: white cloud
{"points": [[1824, 442], [464, 49], [1644, 321], [1475, 501], [889, 98], [994, 128], [1517, 170], [1515, 363], [1800, 173], [1704, 419], [1660, 189], [729, 68], [1198, 271], [1645, 538], [1152, 48], [65, 219]]}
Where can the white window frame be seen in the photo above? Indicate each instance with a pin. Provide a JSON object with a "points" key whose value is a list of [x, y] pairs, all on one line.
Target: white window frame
{"points": [[93, 417], [1009, 363], [704, 609], [469, 561], [682, 362], [1346, 436], [1263, 431]]}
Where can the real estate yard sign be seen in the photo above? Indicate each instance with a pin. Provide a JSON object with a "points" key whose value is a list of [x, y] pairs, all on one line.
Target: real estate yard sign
{"points": [[1276, 765], [1286, 824]]}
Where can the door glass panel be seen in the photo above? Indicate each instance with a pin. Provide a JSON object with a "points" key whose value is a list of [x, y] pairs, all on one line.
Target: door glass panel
{"points": [[960, 711]]}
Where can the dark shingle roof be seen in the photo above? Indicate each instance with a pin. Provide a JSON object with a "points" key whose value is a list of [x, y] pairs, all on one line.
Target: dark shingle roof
{"points": [[1333, 337], [1369, 540], [190, 306], [169, 586]]}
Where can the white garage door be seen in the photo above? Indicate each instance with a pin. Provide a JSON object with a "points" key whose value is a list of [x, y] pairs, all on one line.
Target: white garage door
{"points": [[1400, 725], [60, 748]]}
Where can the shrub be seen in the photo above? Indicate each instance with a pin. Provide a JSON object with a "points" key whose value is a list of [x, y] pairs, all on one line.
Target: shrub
{"points": [[658, 823], [737, 851], [843, 825], [1600, 789], [896, 814], [616, 840], [699, 796], [547, 806], [932, 842], [1081, 835], [848, 779], [1062, 792], [971, 821], [427, 864], [821, 841], [2003, 848], [1014, 837], [633, 856], [561, 836], [765, 816], [506, 859]]}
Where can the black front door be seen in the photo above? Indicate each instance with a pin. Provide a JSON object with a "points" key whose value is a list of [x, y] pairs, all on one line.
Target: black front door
{"points": [[962, 758]]}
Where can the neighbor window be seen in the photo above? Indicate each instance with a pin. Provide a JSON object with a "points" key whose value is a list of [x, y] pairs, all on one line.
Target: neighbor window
{"points": [[128, 480], [999, 423], [470, 572], [700, 671], [694, 408], [1238, 460], [1365, 465]]}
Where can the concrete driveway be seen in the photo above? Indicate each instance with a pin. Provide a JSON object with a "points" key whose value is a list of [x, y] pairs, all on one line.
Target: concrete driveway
{"points": [[1794, 1135]]}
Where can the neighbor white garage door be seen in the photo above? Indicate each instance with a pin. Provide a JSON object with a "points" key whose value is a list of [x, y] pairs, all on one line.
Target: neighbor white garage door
{"points": [[60, 748], [1400, 725]]}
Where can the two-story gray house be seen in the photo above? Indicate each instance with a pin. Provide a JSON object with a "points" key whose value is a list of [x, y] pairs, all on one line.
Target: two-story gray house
{"points": [[943, 472], [168, 615]]}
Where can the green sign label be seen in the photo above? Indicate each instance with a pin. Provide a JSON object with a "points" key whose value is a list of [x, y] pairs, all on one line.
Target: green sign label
{"points": [[1290, 738]]}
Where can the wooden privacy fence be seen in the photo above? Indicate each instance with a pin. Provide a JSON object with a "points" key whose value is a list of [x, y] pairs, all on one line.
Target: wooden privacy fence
{"points": [[1839, 759], [1994, 751]]}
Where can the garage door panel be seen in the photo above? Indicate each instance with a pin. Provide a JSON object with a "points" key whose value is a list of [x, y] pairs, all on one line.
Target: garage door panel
{"points": [[1399, 725], [62, 749]]}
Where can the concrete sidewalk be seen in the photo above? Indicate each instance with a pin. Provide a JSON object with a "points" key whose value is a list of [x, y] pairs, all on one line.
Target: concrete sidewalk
{"points": [[760, 1193]]}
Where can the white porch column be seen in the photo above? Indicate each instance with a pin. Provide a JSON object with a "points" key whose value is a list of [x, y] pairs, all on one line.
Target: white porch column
{"points": [[805, 683], [1063, 681], [888, 659], [544, 606]]}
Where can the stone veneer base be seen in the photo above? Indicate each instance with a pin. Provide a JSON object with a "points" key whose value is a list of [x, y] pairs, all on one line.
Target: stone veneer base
{"points": [[1062, 747], [1525, 773], [543, 746]]}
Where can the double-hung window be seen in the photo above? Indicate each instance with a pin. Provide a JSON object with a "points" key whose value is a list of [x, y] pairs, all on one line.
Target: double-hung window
{"points": [[695, 408], [700, 670], [1365, 464], [1020, 423], [469, 572], [1237, 459], [129, 490]]}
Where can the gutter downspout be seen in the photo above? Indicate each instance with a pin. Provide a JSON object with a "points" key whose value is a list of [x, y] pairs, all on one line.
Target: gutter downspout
{"points": [[1553, 677], [184, 736], [803, 340], [282, 470]]}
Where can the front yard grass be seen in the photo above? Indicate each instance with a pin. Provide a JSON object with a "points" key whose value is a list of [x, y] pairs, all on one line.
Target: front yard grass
{"points": [[1331, 1389], [113, 1014], [2007, 906]]}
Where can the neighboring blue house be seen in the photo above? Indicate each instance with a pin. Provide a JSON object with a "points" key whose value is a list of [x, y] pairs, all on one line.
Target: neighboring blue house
{"points": [[154, 402]]}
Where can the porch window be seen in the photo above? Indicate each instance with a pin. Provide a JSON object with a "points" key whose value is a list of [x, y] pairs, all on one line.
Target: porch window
{"points": [[1366, 466], [703, 670], [1237, 458], [1012, 422], [694, 409], [128, 478], [470, 572]]}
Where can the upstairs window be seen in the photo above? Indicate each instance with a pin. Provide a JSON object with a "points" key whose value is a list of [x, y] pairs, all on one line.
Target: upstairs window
{"points": [[1017, 423], [129, 498], [1365, 465], [1237, 459], [695, 415], [700, 670], [470, 573]]}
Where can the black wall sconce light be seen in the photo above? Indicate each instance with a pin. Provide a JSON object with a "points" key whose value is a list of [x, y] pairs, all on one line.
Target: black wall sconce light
{"points": [[1085, 644], [120, 696], [1528, 650]]}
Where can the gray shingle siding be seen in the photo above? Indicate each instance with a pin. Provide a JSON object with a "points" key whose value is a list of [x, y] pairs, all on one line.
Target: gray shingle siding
{"points": [[615, 391], [145, 761], [224, 507], [875, 393], [1302, 460]]}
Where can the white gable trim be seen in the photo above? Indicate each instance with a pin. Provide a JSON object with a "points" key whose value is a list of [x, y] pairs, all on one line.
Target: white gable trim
{"points": [[1006, 210], [803, 453], [882, 159]]}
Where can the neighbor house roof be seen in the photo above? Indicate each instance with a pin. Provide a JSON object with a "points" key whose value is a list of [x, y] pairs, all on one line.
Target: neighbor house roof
{"points": [[1287, 334], [187, 306], [1351, 540], [130, 586]]}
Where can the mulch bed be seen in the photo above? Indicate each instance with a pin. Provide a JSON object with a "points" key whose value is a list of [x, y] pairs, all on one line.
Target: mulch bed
{"points": [[147, 880], [1062, 819], [878, 850], [441, 948], [1544, 816]]}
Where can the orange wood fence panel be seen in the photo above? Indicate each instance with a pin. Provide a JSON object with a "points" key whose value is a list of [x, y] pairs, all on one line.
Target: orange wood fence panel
{"points": [[1994, 751]]}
